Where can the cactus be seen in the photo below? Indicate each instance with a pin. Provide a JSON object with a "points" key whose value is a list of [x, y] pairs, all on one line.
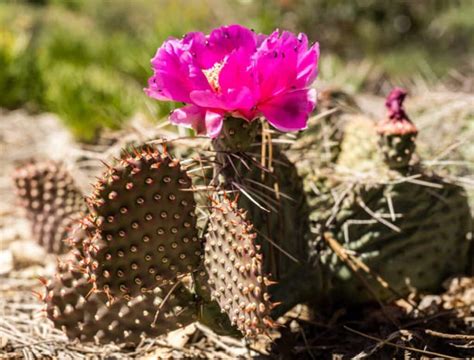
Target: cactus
{"points": [[52, 202], [143, 228], [416, 248], [409, 226], [75, 306], [271, 193], [86, 299], [140, 239], [234, 268], [86, 315]]}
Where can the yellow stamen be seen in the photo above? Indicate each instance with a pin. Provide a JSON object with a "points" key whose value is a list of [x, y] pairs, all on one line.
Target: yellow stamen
{"points": [[212, 75]]}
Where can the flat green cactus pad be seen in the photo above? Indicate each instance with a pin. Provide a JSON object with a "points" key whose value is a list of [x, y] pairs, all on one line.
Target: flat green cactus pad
{"points": [[143, 225]]}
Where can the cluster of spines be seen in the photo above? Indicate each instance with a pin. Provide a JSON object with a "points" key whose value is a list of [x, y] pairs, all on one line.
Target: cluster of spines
{"points": [[86, 315], [52, 200], [142, 228], [234, 269]]}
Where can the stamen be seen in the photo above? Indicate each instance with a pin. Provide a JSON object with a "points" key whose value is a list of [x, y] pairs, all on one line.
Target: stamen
{"points": [[212, 75]]}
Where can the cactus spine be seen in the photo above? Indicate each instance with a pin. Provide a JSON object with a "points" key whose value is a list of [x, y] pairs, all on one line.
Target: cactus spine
{"points": [[142, 212]]}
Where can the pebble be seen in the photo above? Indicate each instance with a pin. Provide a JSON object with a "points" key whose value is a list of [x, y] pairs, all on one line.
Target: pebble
{"points": [[26, 254]]}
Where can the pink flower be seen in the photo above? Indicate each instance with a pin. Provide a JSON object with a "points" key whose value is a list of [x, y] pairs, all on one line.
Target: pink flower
{"points": [[235, 72]]}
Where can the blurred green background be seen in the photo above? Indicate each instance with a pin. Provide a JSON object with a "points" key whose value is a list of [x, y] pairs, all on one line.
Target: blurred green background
{"points": [[88, 60]]}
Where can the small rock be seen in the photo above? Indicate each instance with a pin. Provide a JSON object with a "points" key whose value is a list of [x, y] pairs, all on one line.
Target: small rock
{"points": [[180, 337], [12, 228], [3, 342], [6, 262], [26, 254]]}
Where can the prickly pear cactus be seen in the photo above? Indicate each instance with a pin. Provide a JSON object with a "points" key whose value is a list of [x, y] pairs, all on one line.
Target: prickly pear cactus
{"points": [[74, 307], [52, 202], [234, 267], [410, 227], [270, 190], [143, 225], [411, 234]]}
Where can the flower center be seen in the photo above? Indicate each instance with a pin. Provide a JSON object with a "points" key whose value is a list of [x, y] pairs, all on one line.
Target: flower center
{"points": [[212, 75]]}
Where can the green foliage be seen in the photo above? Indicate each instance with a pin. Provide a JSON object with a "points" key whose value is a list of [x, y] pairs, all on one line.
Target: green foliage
{"points": [[87, 61], [20, 78], [88, 98]]}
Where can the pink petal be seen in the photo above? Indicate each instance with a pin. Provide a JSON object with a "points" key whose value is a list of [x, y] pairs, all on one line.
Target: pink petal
{"points": [[204, 122], [190, 116], [222, 41], [207, 99], [237, 86], [231, 100], [288, 56], [276, 65], [238, 73], [175, 73], [290, 111], [308, 66], [214, 121]]}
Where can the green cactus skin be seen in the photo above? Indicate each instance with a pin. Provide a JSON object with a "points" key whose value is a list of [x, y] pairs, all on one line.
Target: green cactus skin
{"points": [[432, 243], [284, 224], [397, 149], [236, 135], [397, 142], [52, 202], [144, 227], [234, 267], [73, 307], [359, 146]]}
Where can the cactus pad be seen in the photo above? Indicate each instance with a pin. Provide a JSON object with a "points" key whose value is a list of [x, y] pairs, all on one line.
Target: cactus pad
{"points": [[144, 227], [52, 201], [427, 240], [234, 267], [410, 227], [87, 316]]}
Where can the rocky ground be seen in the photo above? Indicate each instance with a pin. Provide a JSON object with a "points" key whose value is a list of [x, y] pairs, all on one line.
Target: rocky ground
{"points": [[427, 326]]}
